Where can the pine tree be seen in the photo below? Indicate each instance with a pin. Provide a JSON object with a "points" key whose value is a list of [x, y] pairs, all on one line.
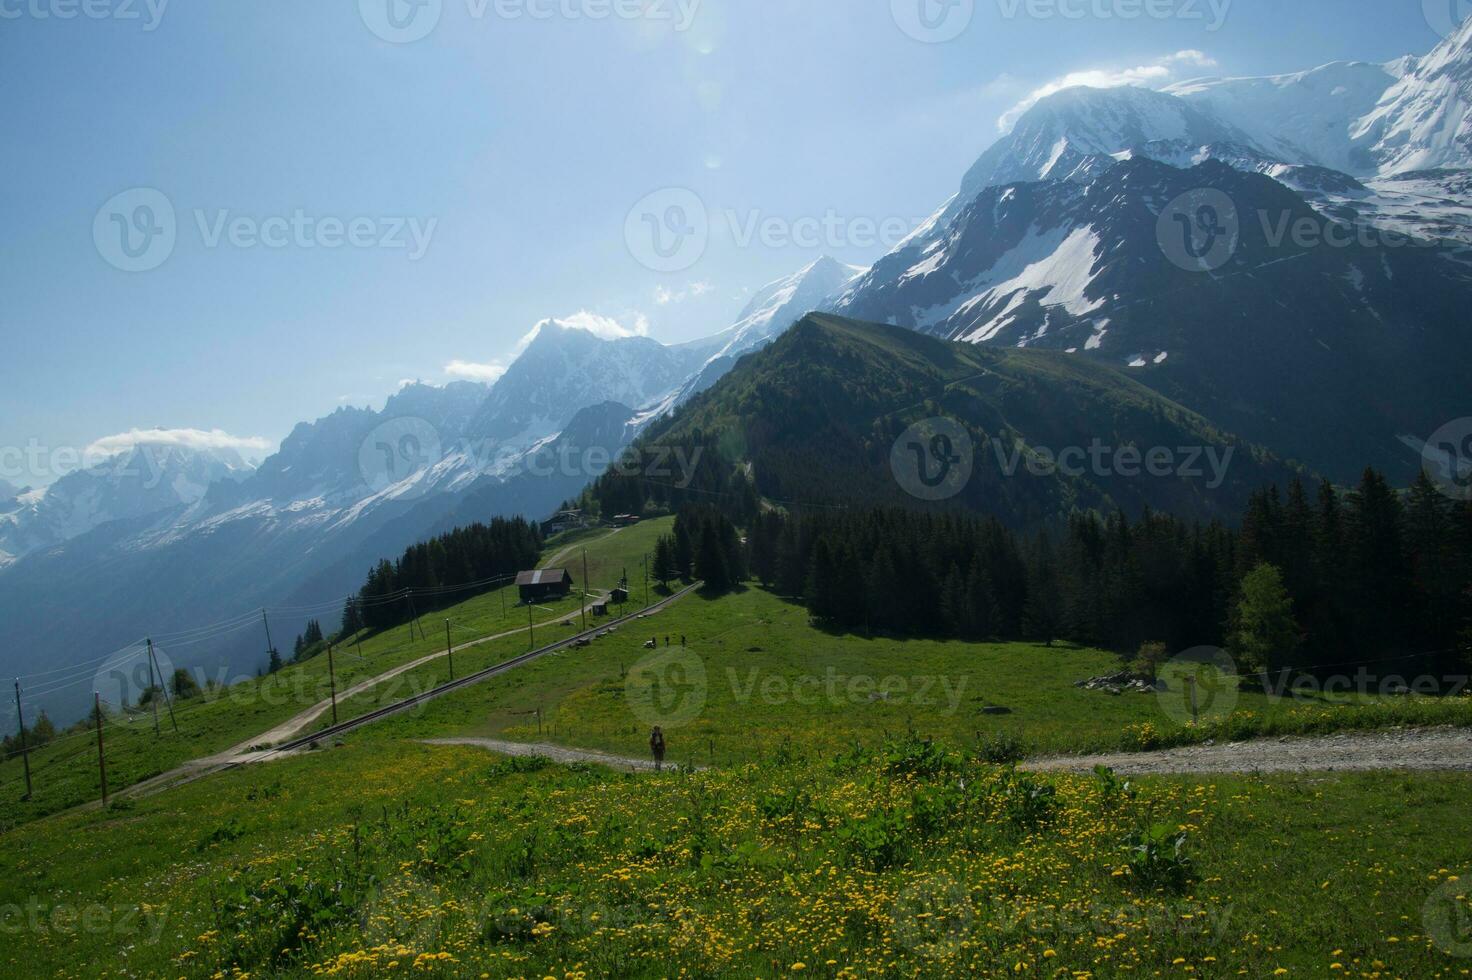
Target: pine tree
{"points": [[663, 569], [711, 565], [183, 685], [684, 552], [1266, 634]]}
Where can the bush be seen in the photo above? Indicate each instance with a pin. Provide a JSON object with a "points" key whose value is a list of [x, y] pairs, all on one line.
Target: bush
{"points": [[1157, 859]]}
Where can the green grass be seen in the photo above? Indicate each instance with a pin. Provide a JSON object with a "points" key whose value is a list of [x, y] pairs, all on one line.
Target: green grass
{"points": [[757, 675], [827, 833], [380, 858], [64, 773]]}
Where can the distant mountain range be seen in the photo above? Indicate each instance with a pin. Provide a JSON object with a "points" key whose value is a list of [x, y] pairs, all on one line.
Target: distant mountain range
{"points": [[1071, 247]]}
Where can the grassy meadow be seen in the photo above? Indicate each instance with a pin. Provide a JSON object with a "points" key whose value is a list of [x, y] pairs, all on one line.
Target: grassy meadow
{"points": [[383, 858]]}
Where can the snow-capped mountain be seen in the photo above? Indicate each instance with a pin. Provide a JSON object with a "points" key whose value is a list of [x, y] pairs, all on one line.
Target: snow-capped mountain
{"points": [[1384, 144], [775, 307], [1330, 347], [147, 479], [1076, 134], [565, 369]]}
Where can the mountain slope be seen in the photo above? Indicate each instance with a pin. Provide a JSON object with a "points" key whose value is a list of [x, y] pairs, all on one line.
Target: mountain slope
{"points": [[1325, 354], [817, 414], [147, 479]]}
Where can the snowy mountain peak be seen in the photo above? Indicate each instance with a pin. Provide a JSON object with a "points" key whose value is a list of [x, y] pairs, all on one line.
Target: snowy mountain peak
{"points": [[146, 479], [1073, 135]]}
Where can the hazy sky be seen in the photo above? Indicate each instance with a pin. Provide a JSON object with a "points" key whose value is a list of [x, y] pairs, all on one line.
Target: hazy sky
{"points": [[349, 210]]}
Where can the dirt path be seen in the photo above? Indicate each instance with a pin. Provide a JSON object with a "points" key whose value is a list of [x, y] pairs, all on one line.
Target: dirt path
{"points": [[257, 747], [1407, 750], [557, 753], [552, 562]]}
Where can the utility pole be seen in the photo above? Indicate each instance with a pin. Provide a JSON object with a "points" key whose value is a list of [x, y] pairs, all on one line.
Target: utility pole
{"points": [[270, 647], [531, 629], [152, 670], [153, 660], [101, 760], [646, 581], [449, 650], [585, 590], [414, 612], [1191, 683], [358, 636], [332, 682], [25, 753]]}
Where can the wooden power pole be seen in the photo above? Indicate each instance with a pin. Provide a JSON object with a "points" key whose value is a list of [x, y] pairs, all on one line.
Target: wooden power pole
{"points": [[25, 753], [163, 687], [449, 650], [101, 757], [332, 682]]}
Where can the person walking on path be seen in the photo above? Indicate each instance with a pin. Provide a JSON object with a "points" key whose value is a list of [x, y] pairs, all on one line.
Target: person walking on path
{"points": [[656, 747]]}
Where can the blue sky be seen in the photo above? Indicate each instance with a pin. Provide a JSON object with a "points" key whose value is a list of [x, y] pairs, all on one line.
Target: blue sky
{"points": [[514, 147]]}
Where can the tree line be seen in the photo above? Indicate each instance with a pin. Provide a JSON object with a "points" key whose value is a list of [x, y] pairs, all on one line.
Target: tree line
{"points": [[478, 553], [1341, 578]]}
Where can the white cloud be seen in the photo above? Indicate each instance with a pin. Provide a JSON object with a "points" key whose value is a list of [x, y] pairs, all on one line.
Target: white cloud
{"points": [[180, 438], [1159, 73], [664, 296], [604, 327], [470, 371]]}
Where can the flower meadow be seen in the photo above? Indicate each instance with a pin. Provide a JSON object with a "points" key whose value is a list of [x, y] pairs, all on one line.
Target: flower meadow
{"points": [[898, 860]]}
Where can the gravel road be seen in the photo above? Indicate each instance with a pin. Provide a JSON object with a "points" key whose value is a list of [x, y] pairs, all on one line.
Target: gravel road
{"points": [[1408, 750]]}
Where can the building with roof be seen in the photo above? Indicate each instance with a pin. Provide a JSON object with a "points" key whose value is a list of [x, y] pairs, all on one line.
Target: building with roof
{"points": [[544, 584]]}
